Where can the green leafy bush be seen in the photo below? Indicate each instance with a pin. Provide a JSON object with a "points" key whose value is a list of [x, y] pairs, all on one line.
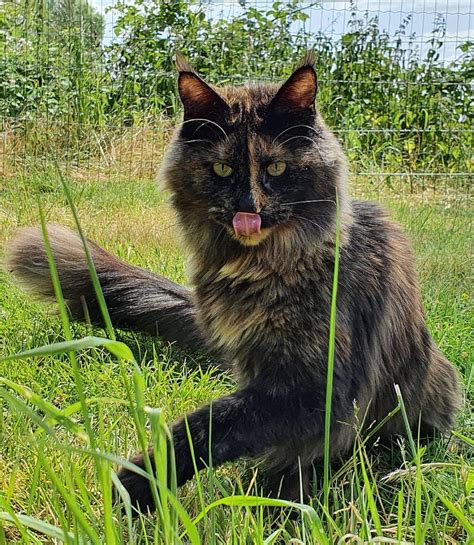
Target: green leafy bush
{"points": [[52, 60], [395, 110]]}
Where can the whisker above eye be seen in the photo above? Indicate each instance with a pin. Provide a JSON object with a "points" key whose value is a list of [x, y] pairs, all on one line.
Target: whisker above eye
{"points": [[205, 122], [298, 136], [305, 202], [197, 140], [324, 161], [296, 127]]}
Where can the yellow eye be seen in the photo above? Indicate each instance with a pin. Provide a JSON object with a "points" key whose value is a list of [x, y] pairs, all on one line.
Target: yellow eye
{"points": [[222, 170], [276, 169]]}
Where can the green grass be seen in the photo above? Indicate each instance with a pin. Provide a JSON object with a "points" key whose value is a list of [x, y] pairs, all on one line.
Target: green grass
{"points": [[55, 488]]}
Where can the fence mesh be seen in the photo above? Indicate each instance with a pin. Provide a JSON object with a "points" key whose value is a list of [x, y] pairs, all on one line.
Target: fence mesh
{"points": [[90, 84]]}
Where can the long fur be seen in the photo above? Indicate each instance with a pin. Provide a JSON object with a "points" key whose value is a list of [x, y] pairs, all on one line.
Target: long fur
{"points": [[136, 299]]}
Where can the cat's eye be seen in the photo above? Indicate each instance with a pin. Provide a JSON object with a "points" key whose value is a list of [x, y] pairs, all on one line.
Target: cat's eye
{"points": [[222, 170], [276, 169]]}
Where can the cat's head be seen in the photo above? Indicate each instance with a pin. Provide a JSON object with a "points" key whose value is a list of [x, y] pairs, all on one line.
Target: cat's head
{"points": [[253, 161]]}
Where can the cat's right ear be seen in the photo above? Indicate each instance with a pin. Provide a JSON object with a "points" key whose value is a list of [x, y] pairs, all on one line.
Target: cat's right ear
{"points": [[200, 100]]}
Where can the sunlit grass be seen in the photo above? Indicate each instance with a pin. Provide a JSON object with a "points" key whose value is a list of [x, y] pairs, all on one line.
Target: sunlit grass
{"points": [[55, 476]]}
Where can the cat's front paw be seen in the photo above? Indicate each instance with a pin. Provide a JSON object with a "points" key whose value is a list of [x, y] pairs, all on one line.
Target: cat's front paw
{"points": [[138, 487]]}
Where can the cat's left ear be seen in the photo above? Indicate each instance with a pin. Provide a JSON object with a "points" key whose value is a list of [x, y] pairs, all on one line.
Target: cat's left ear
{"points": [[299, 90]]}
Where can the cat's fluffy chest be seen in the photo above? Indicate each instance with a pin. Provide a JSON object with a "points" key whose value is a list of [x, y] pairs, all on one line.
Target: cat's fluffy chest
{"points": [[258, 308]]}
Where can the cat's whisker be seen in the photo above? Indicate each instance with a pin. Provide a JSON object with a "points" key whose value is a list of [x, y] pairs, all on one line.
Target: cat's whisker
{"points": [[298, 136], [325, 161], [295, 127], [205, 122], [305, 202], [310, 221], [220, 235], [197, 140]]}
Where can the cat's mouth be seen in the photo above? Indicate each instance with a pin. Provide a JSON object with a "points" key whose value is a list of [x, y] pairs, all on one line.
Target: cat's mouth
{"points": [[248, 228]]}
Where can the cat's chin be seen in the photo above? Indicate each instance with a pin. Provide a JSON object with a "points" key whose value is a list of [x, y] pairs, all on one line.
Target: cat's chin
{"points": [[253, 240]]}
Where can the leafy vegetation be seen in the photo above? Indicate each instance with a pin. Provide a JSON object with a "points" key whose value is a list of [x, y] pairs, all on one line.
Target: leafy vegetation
{"points": [[50, 65], [395, 110]]}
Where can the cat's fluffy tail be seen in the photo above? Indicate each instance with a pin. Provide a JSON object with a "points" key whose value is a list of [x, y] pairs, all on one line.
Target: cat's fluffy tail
{"points": [[136, 299]]}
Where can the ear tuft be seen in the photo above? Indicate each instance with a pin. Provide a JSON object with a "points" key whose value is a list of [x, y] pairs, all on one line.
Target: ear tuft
{"points": [[309, 59], [299, 90], [182, 65]]}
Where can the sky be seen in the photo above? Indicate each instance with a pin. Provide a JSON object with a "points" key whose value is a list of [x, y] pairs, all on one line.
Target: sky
{"points": [[331, 17]]}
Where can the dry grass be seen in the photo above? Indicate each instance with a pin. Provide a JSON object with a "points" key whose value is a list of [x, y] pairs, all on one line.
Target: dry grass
{"points": [[85, 152]]}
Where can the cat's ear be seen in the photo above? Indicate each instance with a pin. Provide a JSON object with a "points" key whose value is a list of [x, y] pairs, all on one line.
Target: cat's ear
{"points": [[299, 90], [199, 99]]}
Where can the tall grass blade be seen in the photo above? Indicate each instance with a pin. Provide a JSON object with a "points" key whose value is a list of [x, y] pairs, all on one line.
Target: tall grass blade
{"points": [[197, 475], [66, 327], [140, 411], [127, 505], [20, 406], [70, 501], [44, 528], [400, 507], [418, 505], [53, 414], [90, 263], [186, 520], [406, 421], [460, 516], [256, 501], [370, 497], [330, 363], [117, 348], [160, 456]]}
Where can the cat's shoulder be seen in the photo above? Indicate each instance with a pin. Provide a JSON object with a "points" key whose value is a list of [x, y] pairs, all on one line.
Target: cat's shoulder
{"points": [[370, 215], [373, 226], [369, 212]]}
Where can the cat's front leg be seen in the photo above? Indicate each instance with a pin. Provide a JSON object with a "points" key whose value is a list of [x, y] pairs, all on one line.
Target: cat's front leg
{"points": [[291, 482], [247, 423]]}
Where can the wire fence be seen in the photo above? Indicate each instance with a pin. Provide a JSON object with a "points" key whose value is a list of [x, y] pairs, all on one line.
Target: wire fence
{"points": [[91, 84]]}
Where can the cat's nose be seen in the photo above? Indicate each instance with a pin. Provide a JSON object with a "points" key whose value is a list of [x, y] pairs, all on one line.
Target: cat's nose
{"points": [[246, 203]]}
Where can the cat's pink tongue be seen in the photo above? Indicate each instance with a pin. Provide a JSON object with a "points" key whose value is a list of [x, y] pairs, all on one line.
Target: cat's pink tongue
{"points": [[246, 223]]}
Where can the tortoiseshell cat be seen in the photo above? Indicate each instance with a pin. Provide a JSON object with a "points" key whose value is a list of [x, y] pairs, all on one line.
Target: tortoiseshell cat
{"points": [[254, 172]]}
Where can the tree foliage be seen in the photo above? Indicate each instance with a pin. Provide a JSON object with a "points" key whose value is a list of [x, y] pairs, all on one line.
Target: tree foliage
{"points": [[52, 53]]}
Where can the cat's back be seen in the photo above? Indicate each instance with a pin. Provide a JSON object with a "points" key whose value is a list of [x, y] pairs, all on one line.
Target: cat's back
{"points": [[372, 225], [377, 271], [377, 246]]}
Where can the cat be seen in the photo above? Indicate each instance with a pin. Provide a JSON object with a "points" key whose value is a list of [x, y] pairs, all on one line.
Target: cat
{"points": [[254, 175]]}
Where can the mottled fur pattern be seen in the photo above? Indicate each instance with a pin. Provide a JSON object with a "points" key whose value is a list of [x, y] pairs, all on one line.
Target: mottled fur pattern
{"points": [[263, 302]]}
